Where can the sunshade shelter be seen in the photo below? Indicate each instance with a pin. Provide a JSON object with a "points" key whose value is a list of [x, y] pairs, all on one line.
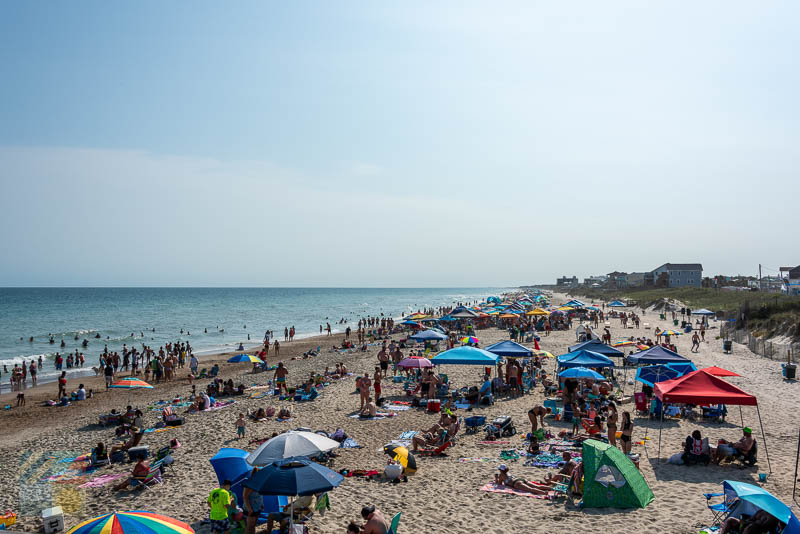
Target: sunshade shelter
{"points": [[655, 355], [575, 303], [464, 313], [131, 522], [750, 496], [580, 372], [465, 356], [428, 335], [719, 371], [538, 311], [509, 349], [653, 374], [231, 464], [584, 358], [701, 388], [595, 345], [617, 304], [703, 311], [611, 479]]}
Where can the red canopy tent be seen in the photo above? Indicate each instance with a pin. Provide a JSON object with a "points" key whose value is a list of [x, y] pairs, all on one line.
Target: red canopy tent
{"points": [[703, 388], [719, 371]]}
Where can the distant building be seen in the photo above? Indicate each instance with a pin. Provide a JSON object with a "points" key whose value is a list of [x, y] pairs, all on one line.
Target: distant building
{"points": [[617, 280], [678, 275], [595, 281], [640, 279], [566, 281], [791, 283]]}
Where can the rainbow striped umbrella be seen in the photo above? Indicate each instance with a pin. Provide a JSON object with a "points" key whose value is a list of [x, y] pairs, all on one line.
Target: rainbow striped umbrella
{"points": [[625, 343], [130, 383], [244, 358], [541, 353], [469, 339], [134, 521], [670, 333]]}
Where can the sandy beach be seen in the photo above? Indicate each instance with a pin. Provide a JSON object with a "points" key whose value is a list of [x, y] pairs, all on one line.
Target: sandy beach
{"points": [[443, 496]]}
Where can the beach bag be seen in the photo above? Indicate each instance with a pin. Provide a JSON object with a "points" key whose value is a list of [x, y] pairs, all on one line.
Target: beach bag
{"points": [[339, 435], [676, 459], [178, 421]]}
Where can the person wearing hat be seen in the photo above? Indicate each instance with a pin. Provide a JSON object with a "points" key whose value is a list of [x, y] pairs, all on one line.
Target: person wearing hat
{"points": [[731, 450], [504, 478]]}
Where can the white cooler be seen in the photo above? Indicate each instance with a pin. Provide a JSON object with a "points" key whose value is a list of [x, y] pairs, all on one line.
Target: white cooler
{"points": [[53, 520]]}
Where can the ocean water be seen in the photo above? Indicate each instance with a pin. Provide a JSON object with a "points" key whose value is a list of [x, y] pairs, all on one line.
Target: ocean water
{"points": [[212, 319]]}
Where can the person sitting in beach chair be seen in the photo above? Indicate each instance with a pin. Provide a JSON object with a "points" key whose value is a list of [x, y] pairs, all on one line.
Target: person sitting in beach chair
{"points": [[743, 449], [100, 455], [139, 472]]}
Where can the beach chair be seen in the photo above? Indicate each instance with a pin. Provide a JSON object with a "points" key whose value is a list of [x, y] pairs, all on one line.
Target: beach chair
{"points": [[640, 400], [395, 522], [161, 455], [646, 326], [716, 414], [750, 459], [719, 510], [153, 477]]}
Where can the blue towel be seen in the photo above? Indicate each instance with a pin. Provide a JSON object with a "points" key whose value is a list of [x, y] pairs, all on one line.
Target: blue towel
{"points": [[349, 443]]}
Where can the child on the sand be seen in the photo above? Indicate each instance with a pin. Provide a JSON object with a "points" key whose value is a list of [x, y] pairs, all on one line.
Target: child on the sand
{"points": [[240, 425]]}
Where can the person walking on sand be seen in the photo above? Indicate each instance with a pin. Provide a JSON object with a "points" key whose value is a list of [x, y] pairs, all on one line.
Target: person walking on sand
{"points": [[383, 360], [280, 375], [695, 342], [62, 384], [703, 332], [364, 387], [240, 426], [277, 348]]}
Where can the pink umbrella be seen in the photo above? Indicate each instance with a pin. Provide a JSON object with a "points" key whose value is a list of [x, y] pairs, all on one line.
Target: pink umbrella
{"points": [[415, 362]]}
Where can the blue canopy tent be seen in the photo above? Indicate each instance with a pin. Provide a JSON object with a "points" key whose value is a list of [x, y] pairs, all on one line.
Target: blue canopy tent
{"points": [[752, 497], [465, 356], [703, 311], [584, 358], [575, 303], [428, 335], [509, 349], [652, 374], [230, 464], [617, 304], [595, 345], [655, 355]]}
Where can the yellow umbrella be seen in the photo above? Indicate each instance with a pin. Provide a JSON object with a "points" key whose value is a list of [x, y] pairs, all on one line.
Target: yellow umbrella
{"points": [[538, 311], [541, 353]]}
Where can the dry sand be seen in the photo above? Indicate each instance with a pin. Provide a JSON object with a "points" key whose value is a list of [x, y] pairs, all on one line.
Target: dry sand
{"points": [[444, 495]]}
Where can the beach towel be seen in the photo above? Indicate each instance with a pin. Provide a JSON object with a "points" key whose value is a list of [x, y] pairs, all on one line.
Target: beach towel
{"points": [[103, 480], [220, 405], [349, 443], [462, 405], [477, 460], [494, 488], [396, 408], [408, 434], [379, 416], [494, 442]]}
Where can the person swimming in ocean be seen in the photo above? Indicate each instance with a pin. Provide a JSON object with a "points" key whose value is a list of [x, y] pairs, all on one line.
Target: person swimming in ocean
{"points": [[85, 343], [63, 344]]}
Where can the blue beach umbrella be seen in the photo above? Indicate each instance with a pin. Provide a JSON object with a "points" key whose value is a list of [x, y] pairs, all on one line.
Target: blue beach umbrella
{"points": [[581, 372], [294, 476], [465, 356], [652, 374]]}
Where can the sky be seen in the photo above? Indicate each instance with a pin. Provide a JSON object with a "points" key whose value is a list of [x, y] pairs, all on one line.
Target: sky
{"points": [[406, 144]]}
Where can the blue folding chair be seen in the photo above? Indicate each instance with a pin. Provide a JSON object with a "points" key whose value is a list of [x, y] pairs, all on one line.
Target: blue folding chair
{"points": [[720, 509]]}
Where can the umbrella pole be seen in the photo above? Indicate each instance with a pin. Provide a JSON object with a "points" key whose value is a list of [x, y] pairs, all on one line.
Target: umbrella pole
{"points": [[659, 430], [741, 416], [766, 450], [797, 458]]}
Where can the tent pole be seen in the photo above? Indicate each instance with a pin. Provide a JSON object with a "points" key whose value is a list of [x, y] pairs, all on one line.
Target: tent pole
{"points": [[797, 458], [659, 431], [740, 415], [766, 450]]}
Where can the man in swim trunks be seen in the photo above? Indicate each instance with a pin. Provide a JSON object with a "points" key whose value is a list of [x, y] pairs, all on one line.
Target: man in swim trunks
{"points": [[280, 378], [383, 359]]}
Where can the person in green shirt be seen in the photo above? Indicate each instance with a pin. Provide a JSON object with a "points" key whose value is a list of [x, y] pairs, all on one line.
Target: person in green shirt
{"points": [[219, 500]]}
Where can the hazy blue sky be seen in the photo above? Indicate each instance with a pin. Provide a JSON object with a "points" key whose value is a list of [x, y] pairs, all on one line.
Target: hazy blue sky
{"points": [[397, 144]]}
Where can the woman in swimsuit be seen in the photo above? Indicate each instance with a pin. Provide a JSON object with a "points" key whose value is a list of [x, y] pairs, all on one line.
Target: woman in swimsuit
{"points": [[504, 478], [611, 422], [627, 432]]}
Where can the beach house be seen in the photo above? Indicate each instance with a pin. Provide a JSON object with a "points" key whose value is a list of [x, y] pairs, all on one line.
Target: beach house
{"points": [[678, 275]]}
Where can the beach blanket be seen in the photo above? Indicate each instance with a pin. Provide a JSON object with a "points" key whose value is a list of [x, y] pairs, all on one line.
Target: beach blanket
{"points": [[379, 416], [221, 405], [477, 460], [494, 442], [162, 429], [462, 405], [408, 434], [494, 488], [396, 408], [102, 480]]}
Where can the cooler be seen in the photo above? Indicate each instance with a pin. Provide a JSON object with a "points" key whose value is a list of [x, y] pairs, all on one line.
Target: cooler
{"points": [[53, 520], [434, 405]]}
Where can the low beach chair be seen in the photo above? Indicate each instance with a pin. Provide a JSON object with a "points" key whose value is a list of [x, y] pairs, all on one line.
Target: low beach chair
{"points": [[161, 456], [153, 477], [395, 522], [719, 510]]}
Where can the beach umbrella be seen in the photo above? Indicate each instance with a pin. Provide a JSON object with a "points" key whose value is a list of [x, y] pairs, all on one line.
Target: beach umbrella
{"points": [[541, 353], [130, 383], [401, 455], [625, 343], [411, 324], [671, 333], [415, 362], [469, 339], [294, 476], [290, 444], [581, 372], [652, 374], [231, 464], [244, 358], [132, 522], [719, 371], [418, 316], [428, 335], [465, 355]]}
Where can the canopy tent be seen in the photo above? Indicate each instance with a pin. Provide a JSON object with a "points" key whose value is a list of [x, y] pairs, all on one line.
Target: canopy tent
{"points": [[595, 345], [654, 355], [575, 303], [465, 356], [611, 479], [703, 311], [584, 358], [702, 388], [538, 311], [509, 349], [719, 371], [617, 304], [763, 500], [428, 335], [653, 374], [464, 313]]}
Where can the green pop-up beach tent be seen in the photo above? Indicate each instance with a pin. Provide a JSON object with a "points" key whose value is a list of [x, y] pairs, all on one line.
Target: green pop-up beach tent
{"points": [[611, 480]]}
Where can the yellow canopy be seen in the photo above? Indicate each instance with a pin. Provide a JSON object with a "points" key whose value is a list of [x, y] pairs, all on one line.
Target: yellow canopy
{"points": [[565, 308], [509, 316], [538, 311]]}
